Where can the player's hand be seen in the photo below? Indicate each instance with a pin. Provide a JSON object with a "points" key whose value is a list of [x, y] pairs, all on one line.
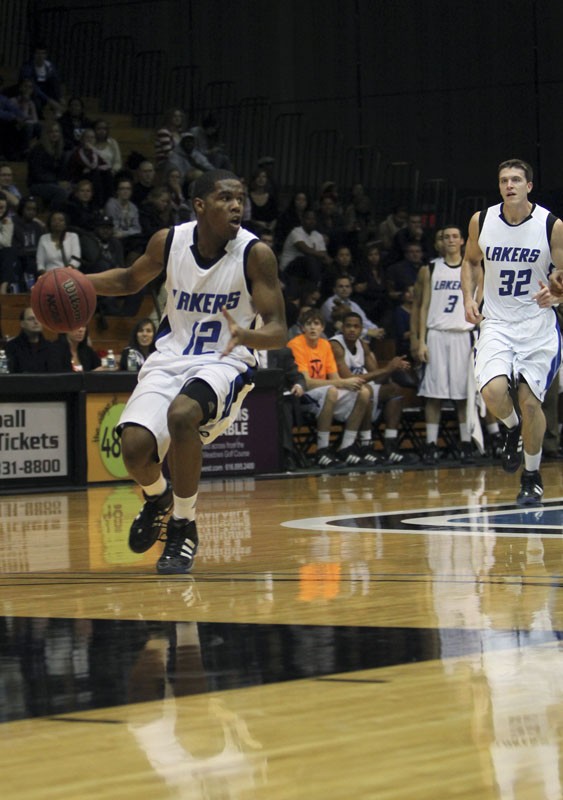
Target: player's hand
{"points": [[472, 314], [398, 362], [354, 383], [297, 390], [545, 298], [423, 353], [237, 334], [556, 283], [376, 333]]}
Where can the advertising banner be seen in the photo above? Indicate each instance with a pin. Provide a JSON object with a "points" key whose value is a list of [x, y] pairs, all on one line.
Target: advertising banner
{"points": [[33, 440]]}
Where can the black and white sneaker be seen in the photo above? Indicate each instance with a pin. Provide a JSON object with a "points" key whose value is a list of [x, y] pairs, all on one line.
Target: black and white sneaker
{"points": [[465, 453], [349, 456], [512, 449], [181, 546], [325, 458], [149, 523], [368, 456], [531, 488], [431, 454]]}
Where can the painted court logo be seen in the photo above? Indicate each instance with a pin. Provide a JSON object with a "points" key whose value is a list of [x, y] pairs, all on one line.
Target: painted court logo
{"points": [[498, 520]]}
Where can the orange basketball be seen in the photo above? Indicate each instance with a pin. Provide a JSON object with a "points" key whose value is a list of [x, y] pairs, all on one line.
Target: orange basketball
{"points": [[63, 299]]}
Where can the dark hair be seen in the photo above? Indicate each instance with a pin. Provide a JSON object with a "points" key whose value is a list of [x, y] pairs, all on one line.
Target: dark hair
{"points": [[141, 324], [312, 315], [352, 314], [205, 184], [453, 225], [24, 201], [52, 214], [517, 163]]}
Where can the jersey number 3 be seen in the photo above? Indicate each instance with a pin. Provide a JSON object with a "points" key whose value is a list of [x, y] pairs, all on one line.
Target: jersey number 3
{"points": [[514, 283]]}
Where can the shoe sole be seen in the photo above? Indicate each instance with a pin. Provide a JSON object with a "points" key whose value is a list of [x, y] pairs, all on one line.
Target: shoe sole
{"points": [[529, 501], [512, 468], [174, 570]]}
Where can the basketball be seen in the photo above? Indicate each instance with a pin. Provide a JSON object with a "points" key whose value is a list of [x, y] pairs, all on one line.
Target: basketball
{"points": [[63, 299]]}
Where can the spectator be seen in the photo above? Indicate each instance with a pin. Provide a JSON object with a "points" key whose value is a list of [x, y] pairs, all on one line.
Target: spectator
{"points": [[404, 273], [125, 215], [29, 351], [169, 135], [58, 247], [330, 223], [188, 159], [73, 123], [46, 176], [12, 127], [101, 250], [402, 323], [141, 344], [353, 357], [7, 251], [106, 146], [207, 142], [81, 209], [370, 290], [74, 350], [28, 229], [45, 78], [9, 189], [329, 396], [264, 208], [290, 218], [145, 175], [85, 162], [32, 127], [294, 389], [181, 206], [156, 212], [390, 226], [342, 297], [304, 254], [412, 233], [359, 219]]}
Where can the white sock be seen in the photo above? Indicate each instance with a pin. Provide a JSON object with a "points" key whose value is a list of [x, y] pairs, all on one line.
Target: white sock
{"points": [[464, 432], [493, 428], [365, 437], [348, 439], [323, 438], [184, 507], [512, 420], [156, 488], [432, 429], [532, 463], [390, 433]]}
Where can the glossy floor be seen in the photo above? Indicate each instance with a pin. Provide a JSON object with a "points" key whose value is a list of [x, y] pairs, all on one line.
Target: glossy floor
{"points": [[378, 635]]}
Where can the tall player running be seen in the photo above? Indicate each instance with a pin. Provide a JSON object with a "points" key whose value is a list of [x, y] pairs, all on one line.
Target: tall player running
{"points": [[218, 277], [519, 343]]}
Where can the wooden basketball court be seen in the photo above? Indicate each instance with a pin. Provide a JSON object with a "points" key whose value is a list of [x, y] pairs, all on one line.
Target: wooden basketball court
{"points": [[386, 634]]}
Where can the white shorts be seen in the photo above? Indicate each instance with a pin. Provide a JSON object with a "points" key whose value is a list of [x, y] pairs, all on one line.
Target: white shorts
{"points": [[161, 379], [315, 398], [531, 348], [445, 374]]}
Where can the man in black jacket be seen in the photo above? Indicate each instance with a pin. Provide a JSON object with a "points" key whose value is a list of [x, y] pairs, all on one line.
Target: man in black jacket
{"points": [[29, 351]]}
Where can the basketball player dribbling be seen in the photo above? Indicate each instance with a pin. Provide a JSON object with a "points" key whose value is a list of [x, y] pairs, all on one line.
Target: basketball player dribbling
{"points": [[218, 278], [518, 242]]}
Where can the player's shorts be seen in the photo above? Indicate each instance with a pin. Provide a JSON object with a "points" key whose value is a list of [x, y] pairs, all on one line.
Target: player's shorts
{"points": [[314, 401], [161, 379], [445, 374], [531, 348]]}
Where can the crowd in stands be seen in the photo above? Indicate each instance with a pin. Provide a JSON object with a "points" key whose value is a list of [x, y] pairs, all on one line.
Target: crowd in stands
{"points": [[348, 276]]}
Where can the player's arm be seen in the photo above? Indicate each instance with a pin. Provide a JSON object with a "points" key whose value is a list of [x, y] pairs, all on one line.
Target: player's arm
{"points": [[422, 353], [415, 310], [262, 271], [344, 370], [556, 277], [379, 374], [119, 281], [470, 272]]}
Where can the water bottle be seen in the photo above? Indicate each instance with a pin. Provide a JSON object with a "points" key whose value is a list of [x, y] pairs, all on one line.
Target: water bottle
{"points": [[110, 360], [4, 368], [132, 361]]}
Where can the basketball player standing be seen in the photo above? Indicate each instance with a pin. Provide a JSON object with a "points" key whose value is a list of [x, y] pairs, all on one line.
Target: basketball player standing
{"points": [[519, 344], [218, 278]]}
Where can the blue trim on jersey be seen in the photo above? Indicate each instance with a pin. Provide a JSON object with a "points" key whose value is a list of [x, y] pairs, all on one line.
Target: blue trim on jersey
{"points": [[556, 362], [163, 329], [245, 255], [241, 380]]}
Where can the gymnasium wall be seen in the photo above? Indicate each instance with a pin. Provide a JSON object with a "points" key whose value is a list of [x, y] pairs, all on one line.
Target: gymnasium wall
{"points": [[451, 86]]}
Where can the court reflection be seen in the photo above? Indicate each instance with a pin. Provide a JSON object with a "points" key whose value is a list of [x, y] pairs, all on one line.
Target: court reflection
{"points": [[34, 532], [500, 589]]}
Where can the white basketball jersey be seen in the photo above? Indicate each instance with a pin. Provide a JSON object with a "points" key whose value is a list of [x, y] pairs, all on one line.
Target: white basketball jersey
{"points": [[517, 258], [356, 361], [193, 324], [446, 311]]}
